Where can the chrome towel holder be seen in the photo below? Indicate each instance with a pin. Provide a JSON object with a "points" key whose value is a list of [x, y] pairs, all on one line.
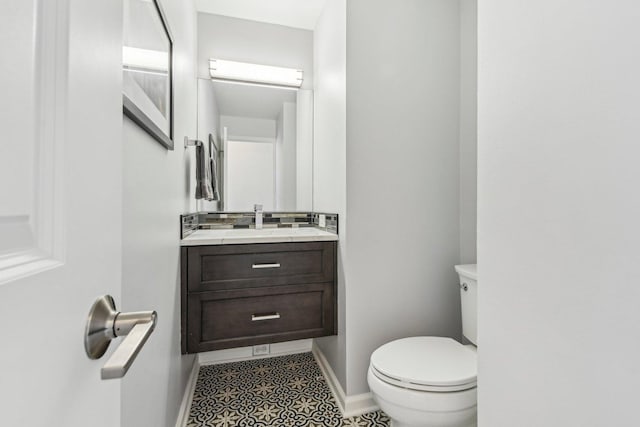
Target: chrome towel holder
{"points": [[192, 142]]}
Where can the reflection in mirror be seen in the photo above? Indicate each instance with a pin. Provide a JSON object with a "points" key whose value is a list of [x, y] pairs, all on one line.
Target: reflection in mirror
{"points": [[263, 136]]}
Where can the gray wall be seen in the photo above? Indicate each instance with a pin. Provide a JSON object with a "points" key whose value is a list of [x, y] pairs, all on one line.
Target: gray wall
{"points": [[285, 167], [248, 127], [329, 155], [558, 213], [156, 190], [249, 41], [209, 122], [304, 150], [468, 129], [406, 153], [423, 145], [403, 99]]}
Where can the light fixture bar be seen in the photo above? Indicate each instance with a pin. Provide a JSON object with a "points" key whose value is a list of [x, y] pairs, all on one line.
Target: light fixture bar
{"points": [[134, 58], [243, 83], [220, 69]]}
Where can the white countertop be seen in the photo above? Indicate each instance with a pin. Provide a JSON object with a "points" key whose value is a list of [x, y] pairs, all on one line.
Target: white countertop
{"points": [[266, 235]]}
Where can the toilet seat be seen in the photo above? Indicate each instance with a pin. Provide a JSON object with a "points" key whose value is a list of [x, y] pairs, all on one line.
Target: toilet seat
{"points": [[436, 364]]}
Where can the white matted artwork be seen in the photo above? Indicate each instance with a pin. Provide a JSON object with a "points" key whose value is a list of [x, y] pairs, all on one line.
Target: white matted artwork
{"points": [[147, 69]]}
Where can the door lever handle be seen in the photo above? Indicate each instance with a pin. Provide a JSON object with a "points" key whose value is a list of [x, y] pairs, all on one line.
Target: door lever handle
{"points": [[121, 359], [105, 324]]}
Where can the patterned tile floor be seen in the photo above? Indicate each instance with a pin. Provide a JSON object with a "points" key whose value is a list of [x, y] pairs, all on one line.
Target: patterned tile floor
{"points": [[287, 391]]}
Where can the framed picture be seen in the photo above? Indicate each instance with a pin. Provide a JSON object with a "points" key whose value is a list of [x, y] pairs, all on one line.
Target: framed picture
{"points": [[147, 61]]}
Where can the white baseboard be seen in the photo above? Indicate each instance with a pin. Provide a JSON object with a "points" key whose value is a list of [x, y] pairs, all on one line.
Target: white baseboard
{"points": [[246, 353], [359, 404], [185, 406], [350, 406], [231, 355]]}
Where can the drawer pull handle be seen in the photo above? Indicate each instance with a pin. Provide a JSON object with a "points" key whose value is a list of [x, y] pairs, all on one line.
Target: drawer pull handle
{"points": [[269, 316], [276, 265]]}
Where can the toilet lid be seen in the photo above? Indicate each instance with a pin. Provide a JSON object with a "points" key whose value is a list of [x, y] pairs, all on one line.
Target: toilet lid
{"points": [[426, 363]]}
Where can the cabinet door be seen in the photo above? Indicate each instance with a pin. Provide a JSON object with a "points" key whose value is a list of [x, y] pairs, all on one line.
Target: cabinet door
{"points": [[236, 318], [227, 267]]}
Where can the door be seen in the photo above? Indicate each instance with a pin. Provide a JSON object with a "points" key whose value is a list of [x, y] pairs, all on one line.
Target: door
{"points": [[250, 170], [60, 206]]}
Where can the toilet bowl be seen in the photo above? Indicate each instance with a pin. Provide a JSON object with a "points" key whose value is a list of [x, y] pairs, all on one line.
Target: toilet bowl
{"points": [[430, 381]]}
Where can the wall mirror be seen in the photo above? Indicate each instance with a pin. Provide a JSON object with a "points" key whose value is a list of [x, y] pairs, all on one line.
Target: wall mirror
{"points": [[255, 97], [261, 137]]}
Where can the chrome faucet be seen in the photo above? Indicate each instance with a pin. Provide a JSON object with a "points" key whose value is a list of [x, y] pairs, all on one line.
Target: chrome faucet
{"points": [[257, 209]]}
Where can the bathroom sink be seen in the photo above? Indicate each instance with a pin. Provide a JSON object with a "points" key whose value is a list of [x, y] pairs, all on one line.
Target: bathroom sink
{"points": [[265, 235], [296, 231], [240, 232]]}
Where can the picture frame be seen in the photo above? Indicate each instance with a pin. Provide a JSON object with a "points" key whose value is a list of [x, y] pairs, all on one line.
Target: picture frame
{"points": [[147, 67]]}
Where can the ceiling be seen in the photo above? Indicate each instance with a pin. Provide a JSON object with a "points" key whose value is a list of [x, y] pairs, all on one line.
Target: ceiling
{"points": [[291, 13], [251, 101]]}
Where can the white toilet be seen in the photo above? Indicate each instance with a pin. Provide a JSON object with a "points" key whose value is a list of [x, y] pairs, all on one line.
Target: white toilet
{"points": [[431, 381]]}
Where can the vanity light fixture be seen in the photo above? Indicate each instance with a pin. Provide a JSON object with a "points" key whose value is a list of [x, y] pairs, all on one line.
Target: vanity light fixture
{"points": [[243, 72], [145, 60]]}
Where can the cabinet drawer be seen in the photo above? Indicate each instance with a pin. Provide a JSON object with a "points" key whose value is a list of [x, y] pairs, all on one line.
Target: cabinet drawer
{"points": [[271, 264], [226, 319]]}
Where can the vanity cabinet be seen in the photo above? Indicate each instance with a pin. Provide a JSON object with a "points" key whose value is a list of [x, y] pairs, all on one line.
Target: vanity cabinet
{"points": [[246, 294]]}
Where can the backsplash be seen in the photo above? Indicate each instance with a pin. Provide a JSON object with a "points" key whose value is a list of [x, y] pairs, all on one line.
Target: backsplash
{"points": [[331, 222], [229, 220], [188, 224]]}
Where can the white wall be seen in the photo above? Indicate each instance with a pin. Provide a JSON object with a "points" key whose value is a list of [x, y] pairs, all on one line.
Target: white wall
{"points": [[304, 150], [158, 187], [468, 130], [403, 98], [257, 42], [208, 123], [249, 132], [279, 160], [329, 154], [249, 176], [285, 167], [248, 128], [558, 213]]}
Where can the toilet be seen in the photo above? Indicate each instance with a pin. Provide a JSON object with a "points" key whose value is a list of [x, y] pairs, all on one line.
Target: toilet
{"points": [[431, 381]]}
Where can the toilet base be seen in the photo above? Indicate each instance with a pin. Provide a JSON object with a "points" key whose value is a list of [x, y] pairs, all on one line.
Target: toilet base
{"points": [[399, 424], [409, 418], [410, 408]]}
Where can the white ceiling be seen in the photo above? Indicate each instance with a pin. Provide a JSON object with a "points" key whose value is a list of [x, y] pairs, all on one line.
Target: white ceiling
{"points": [[291, 13], [251, 101]]}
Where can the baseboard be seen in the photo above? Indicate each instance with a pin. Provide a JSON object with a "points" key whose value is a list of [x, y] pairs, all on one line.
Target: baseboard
{"points": [[350, 406], [330, 378], [246, 353], [359, 404], [185, 406]]}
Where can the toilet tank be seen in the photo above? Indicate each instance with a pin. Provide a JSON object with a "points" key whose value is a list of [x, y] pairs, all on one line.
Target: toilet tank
{"points": [[468, 275]]}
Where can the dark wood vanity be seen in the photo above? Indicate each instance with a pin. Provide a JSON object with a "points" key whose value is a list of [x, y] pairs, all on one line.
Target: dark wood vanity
{"points": [[246, 294]]}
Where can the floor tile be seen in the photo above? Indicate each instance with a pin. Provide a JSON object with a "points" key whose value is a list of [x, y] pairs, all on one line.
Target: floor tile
{"points": [[287, 391]]}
